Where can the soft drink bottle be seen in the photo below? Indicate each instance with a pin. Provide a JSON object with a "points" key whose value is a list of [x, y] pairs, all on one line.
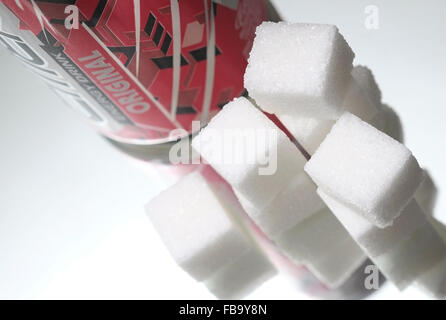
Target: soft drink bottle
{"points": [[141, 71]]}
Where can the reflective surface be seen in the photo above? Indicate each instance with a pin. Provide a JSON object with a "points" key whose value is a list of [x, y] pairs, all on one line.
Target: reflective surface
{"points": [[72, 223]]}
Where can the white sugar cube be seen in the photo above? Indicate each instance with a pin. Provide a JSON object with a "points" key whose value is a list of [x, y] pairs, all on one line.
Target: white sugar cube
{"points": [[402, 251], [313, 238], [240, 277], [324, 246], [339, 265], [297, 201], [387, 121], [363, 99], [249, 151], [381, 240], [197, 224], [375, 240], [308, 131], [299, 68], [365, 169], [411, 259]]}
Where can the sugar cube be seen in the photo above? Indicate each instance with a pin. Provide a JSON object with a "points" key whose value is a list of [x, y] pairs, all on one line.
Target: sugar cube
{"points": [[411, 259], [363, 99], [402, 251], [365, 169], [240, 277], [297, 201], [299, 68], [198, 226], [339, 265], [249, 151], [354, 287], [324, 246], [308, 131], [382, 240]]}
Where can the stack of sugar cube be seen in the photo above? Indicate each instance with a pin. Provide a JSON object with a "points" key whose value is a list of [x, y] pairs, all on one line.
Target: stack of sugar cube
{"points": [[360, 195], [372, 194], [282, 201], [303, 74], [200, 224]]}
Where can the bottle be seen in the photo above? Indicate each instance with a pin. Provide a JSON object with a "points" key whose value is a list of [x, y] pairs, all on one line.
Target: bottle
{"points": [[141, 90]]}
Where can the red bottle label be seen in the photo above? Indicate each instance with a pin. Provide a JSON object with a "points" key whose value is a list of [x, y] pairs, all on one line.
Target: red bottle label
{"points": [[184, 63]]}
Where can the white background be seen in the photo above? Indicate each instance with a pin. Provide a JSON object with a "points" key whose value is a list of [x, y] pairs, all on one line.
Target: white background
{"points": [[72, 223]]}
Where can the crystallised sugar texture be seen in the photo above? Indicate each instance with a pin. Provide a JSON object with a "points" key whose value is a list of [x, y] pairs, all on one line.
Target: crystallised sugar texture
{"points": [[299, 68]]}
